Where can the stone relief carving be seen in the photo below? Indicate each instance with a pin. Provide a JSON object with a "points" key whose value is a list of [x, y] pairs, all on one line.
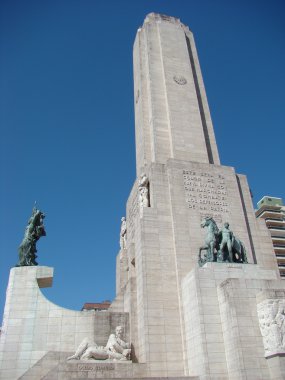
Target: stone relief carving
{"points": [[179, 79], [115, 349], [221, 246], [271, 315], [34, 230], [123, 233], [143, 191]]}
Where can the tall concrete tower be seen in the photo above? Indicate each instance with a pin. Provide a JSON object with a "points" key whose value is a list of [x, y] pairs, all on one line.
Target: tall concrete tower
{"points": [[171, 110], [184, 318]]}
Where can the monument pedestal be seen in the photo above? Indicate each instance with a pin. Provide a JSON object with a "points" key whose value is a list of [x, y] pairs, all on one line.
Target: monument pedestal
{"points": [[53, 366], [221, 321]]}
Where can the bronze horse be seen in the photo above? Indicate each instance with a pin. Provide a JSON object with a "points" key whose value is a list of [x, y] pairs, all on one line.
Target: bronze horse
{"points": [[211, 241], [212, 246]]}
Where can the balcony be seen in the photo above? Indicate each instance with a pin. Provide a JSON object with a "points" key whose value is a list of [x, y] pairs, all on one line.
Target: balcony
{"points": [[278, 241], [269, 212]]}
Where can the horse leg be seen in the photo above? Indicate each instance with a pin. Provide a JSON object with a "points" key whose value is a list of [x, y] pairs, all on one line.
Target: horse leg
{"points": [[243, 254], [211, 251], [230, 251], [200, 251], [203, 248]]}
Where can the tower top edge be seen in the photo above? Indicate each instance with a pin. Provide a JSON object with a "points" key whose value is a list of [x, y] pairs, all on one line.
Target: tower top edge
{"points": [[159, 17]]}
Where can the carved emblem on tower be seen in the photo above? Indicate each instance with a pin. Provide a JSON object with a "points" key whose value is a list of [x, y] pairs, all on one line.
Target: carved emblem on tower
{"points": [[179, 79]]}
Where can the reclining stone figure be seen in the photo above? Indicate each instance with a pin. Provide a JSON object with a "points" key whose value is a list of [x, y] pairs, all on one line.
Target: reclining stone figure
{"points": [[115, 348]]}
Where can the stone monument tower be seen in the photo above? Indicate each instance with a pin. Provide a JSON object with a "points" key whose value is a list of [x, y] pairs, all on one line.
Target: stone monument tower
{"points": [[186, 319], [199, 294]]}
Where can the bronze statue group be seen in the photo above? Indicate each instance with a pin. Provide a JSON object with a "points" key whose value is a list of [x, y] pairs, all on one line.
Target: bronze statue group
{"points": [[221, 245]]}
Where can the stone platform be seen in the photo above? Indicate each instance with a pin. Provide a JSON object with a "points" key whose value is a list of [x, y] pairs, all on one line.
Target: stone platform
{"points": [[53, 366]]}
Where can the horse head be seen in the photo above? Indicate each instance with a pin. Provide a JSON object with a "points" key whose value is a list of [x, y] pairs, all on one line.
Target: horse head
{"points": [[206, 222], [210, 222]]}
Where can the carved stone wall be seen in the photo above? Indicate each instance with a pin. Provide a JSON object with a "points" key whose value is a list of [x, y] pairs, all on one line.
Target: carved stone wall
{"points": [[271, 316], [33, 325]]}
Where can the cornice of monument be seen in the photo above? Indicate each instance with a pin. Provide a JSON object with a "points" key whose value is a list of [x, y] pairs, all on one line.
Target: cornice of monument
{"points": [[159, 17]]}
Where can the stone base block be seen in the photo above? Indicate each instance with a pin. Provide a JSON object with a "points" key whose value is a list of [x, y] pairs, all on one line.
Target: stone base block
{"points": [[276, 365], [54, 366], [221, 322]]}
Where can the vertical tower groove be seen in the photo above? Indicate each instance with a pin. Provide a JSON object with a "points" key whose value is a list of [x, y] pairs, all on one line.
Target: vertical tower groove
{"points": [[202, 113]]}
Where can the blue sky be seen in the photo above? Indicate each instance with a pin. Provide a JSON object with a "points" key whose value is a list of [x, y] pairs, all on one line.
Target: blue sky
{"points": [[67, 122]]}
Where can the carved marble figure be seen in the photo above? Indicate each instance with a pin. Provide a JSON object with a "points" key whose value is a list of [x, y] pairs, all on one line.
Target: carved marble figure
{"points": [[271, 315], [123, 234], [221, 246], [143, 191], [116, 345], [89, 350], [115, 349], [34, 230]]}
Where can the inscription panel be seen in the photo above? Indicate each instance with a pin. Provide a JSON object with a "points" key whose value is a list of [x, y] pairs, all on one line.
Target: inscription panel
{"points": [[96, 367], [207, 193]]}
